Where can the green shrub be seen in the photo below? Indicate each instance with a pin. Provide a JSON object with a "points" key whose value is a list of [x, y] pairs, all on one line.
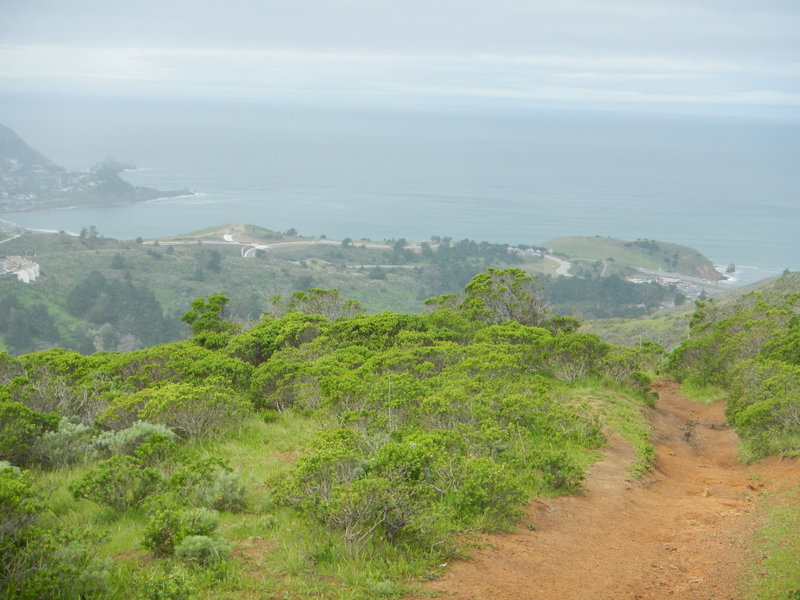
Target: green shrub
{"points": [[157, 448], [163, 531], [268, 415], [169, 525], [192, 409], [559, 471], [202, 549], [19, 428], [175, 584], [53, 564], [486, 486], [69, 444], [120, 482], [19, 504], [127, 441], [36, 563], [208, 482], [199, 521]]}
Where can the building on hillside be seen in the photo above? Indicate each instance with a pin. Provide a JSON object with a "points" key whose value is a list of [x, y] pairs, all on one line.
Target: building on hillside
{"points": [[23, 268]]}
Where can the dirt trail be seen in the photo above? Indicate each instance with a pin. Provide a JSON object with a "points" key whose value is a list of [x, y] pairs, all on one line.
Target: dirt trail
{"points": [[679, 533]]}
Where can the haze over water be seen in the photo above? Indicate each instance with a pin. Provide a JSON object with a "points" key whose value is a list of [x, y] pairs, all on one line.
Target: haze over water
{"points": [[726, 185]]}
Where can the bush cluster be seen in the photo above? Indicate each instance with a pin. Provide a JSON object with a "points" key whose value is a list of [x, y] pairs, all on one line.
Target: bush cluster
{"points": [[750, 348]]}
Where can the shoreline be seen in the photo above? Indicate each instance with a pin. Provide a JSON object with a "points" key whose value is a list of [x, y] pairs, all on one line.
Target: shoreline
{"points": [[162, 195], [744, 274]]}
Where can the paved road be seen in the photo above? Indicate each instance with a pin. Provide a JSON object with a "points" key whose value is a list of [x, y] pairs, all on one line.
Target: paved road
{"points": [[563, 265]]}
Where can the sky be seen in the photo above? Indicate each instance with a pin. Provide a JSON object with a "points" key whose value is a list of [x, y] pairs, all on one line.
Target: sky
{"points": [[685, 54]]}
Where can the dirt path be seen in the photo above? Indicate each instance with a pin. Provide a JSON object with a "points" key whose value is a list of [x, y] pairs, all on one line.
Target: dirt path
{"points": [[677, 534]]}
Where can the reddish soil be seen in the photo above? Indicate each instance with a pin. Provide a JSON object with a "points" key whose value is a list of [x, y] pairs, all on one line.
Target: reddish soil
{"points": [[680, 532]]}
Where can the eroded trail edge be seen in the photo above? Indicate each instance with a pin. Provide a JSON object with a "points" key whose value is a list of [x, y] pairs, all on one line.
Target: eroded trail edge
{"points": [[679, 532]]}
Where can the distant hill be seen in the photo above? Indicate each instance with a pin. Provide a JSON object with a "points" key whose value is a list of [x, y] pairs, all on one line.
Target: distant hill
{"points": [[788, 283], [613, 255], [13, 148], [30, 181]]}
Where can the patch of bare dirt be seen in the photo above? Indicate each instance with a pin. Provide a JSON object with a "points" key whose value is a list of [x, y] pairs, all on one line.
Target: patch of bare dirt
{"points": [[678, 533]]}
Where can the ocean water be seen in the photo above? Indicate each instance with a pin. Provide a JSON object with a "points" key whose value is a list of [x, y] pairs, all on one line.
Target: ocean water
{"points": [[728, 186]]}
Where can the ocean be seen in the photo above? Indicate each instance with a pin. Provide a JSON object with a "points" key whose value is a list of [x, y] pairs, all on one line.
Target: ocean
{"points": [[728, 186]]}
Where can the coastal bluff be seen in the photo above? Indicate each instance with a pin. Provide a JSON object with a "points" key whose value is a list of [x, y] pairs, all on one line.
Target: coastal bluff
{"points": [[31, 181]]}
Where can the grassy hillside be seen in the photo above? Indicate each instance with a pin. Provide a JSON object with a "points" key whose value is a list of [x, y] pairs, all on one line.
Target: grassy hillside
{"points": [[619, 255], [671, 327], [123, 278], [668, 330]]}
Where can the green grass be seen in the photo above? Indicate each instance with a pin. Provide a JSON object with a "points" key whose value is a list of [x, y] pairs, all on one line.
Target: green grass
{"points": [[669, 329], [774, 573], [703, 393], [623, 411]]}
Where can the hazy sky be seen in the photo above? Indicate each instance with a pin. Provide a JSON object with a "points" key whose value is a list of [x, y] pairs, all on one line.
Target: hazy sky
{"points": [[682, 53]]}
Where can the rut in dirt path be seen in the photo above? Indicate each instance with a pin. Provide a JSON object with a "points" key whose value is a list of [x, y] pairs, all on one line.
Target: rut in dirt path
{"points": [[678, 533]]}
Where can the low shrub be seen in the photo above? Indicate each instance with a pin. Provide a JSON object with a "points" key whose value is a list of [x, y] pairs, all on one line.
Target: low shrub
{"points": [[19, 504], [163, 531], [559, 471], [190, 409], [19, 429], [172, 584], [168, 525], [120, 482], [68, 445], [127, 441], [35, 563], [208, 482], [203, 549]]}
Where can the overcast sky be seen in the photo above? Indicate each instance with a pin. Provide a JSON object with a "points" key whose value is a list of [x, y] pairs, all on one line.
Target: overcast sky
{"points": [[710, 53]]}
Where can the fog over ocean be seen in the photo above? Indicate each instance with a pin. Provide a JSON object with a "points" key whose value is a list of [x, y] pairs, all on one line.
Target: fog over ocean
{"points": [[728, 186]]}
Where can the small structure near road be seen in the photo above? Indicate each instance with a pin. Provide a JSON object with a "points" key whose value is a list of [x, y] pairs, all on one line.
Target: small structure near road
{"points": [[25, 269]]}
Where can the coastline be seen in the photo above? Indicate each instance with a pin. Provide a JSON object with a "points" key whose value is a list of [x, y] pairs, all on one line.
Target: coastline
{"points": [[744, 275], [102, 203]]}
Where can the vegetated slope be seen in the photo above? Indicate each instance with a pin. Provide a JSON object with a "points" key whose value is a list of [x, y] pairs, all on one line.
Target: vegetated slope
{"points": [[304, 457], [382, 276], [667, 328], [681, 531], [648, 254], [750, 347], [670, 327]]}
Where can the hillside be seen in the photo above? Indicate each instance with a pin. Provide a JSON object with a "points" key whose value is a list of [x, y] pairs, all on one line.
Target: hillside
{"points": [[306, 456], [670, 327], [626, 256], [683, 531], [329, 454], [251, 265], [29, 181]]}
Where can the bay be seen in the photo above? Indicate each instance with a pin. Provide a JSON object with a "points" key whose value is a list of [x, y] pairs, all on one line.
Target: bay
{"points": [[728, 186]]}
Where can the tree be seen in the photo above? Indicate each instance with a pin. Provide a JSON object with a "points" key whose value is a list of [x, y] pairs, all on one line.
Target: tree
{"points": [[205, 320], [327, 303], [506, 295]]}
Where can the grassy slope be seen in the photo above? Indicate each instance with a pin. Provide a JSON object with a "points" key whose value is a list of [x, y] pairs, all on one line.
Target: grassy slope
{"points": [[171, 271], [688, 261], [667, 329], [774, 572], [276, 550]]}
